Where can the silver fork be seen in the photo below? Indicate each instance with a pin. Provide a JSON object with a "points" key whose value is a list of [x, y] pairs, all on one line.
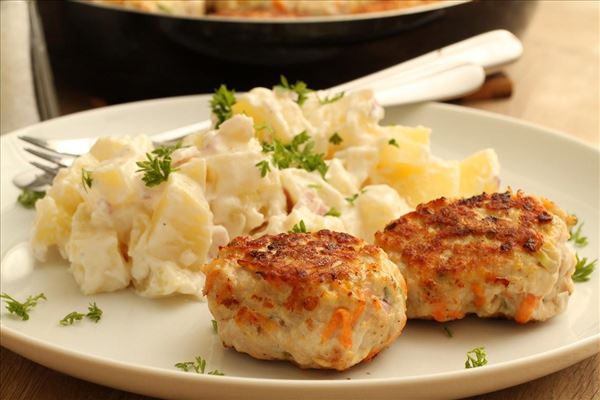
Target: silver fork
{"points": [[443, 74], [61, 153]]}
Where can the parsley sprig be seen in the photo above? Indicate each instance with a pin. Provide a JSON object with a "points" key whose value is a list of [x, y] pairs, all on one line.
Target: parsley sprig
{"points": [[263, 167], [352, 198], [583, 269], [71, 317], [577, 237], [333, 212], [21, 309], [28, 198], [221, 104], [86, 179], [447, 331], [332, 99], [198, 366], [476, 358], [94, 313], [393, 142], [300, 227], [157, 167], [297, 154], [300, 88], [335, 139]]}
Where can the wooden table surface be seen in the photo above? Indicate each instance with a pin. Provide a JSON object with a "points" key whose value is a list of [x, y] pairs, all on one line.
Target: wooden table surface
{"points": [[556, 84]]}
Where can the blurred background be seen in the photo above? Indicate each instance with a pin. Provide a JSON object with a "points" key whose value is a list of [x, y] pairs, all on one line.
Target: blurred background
{"points": [[63, 56], [86, 54]]}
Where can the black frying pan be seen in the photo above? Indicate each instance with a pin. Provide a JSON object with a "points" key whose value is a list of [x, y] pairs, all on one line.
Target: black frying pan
{"points": [[123, 55]]}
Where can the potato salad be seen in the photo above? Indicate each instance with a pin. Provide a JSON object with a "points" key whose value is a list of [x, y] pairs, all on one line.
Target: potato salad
{"points": [[277, 160]]}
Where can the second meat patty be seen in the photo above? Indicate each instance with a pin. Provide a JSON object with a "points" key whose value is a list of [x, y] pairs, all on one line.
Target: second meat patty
{"points": [[493, 255]]}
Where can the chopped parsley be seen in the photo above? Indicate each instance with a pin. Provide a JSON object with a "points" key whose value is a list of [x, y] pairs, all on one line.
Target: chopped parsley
{"points": [[198, 366], [332, 99], [86, 179], [94, 313], [447, 331], [583, 269], [333, 212], [292, 156], [315, 186], [335, 139], [157, 167], [264, 167], [299, 88], [577, 237], [21, 309], [300, 227], [215, 372], [163, 8], [264, 126], [215, 326], [221, 104], [28, 198], [393, 142], [352, 198], [70, 318], [476, 358]]}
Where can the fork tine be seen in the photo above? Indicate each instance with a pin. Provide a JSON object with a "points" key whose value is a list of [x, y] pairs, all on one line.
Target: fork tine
{"points": [[37, 142], [64, 161], [47, 169]]}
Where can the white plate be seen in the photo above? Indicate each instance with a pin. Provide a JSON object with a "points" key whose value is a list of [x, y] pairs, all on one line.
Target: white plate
{"points": [[138, 340]]}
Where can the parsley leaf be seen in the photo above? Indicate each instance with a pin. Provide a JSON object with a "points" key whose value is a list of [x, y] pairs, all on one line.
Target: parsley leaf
{"points": [[332, 99], [352, 198], [447, 331], [86, 179], [583, 269], [221, 104], [198, 366], [70, 318], [22, 309], [264, 167], [291, 156], [393, 142], [476, 358], [333, 212], [94, 313], [300, 227], [216, 372], [335, 138], [262, 127], [28, 197], [299, 88], [577, 238], [157, 167], [163, 8], [215, 326]]}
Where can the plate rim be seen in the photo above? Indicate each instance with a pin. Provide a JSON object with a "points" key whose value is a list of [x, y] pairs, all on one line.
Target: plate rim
{"points": [[584, 346]]}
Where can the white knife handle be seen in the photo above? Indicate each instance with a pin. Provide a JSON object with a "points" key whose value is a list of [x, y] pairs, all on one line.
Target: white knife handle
{"points": [[489, 50], [455, 81]]}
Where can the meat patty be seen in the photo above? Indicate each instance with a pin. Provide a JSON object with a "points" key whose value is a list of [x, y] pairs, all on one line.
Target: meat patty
{"points": [[320, 300], [494, 255]]}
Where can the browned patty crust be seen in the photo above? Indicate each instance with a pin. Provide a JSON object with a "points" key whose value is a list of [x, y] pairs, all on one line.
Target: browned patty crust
{"points": [[469, 242]]}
